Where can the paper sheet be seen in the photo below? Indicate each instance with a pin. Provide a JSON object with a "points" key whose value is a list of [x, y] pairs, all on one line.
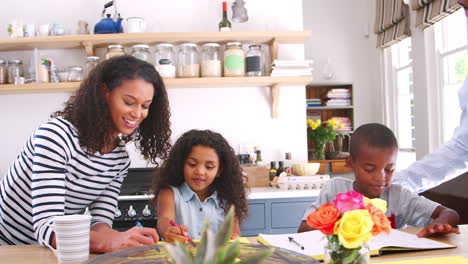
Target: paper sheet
{"points": [[314, 242]]}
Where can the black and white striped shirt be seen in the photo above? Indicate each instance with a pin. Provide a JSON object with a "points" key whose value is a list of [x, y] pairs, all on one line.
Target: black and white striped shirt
{"points": [[54, 176]]}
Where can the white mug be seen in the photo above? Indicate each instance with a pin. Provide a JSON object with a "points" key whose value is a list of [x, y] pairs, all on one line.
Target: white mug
{"points": [[72, 237], [136, 25], [44, 30]]}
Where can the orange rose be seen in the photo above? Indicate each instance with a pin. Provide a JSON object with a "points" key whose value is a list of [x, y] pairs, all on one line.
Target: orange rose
{"points": [[381, 222], [324, 218]]}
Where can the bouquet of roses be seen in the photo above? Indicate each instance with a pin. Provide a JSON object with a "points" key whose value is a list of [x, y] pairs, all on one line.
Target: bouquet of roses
{"points": [[348, 222]]}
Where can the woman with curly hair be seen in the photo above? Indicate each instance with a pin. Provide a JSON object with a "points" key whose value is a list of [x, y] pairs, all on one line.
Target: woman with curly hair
{"points": [[200, 180], [78, 159]]}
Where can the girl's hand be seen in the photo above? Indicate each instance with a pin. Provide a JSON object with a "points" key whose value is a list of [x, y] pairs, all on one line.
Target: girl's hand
{"points": [[234, 236], [435, 228], [173, 234]]}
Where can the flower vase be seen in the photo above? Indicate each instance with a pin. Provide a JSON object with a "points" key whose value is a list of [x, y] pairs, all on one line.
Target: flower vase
{"points": [[320, 150], [335, 253]]}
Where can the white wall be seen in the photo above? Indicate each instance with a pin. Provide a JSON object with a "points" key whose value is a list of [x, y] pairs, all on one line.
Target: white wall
{"points": [[242, 115], [343, 31]]}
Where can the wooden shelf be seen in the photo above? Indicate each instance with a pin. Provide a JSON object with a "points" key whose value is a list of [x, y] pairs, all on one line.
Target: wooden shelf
{"points": [[90, 42], [102, 40], [274, 82], [328, 107]]}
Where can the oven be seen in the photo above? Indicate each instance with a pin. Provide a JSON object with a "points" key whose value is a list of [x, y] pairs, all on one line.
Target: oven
{"points": [[135, 200]]}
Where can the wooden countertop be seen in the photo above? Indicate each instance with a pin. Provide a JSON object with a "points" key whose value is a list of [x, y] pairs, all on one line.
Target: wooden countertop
{"points": [[29, 254]]}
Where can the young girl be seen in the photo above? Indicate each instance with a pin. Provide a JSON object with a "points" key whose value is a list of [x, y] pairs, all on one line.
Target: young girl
{"points": [[199, 181]]}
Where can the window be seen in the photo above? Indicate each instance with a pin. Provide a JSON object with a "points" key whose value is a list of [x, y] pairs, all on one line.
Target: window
{"points": [[400, 99], [452, 60]]}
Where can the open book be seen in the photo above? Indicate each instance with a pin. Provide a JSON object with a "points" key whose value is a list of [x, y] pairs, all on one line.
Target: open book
{"points": [[314, 242]]}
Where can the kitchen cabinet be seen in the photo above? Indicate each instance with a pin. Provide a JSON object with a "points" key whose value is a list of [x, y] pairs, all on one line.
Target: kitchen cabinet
{"points": [[90, 42], [317, 90], [275, 216]]}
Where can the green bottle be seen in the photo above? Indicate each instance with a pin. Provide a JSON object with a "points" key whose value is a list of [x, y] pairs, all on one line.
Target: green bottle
{"points": [[224, 25]]}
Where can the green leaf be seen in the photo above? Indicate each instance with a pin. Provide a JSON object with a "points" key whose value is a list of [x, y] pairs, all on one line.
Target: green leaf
{"points": [[257, 258], [232, 251], [202, 245], [225, 229]]}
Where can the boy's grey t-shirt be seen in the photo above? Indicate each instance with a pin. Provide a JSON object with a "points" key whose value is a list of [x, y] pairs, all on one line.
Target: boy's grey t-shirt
{"points": [[409, 208]]}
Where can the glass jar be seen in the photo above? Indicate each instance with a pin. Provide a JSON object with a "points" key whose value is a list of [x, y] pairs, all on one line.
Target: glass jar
{"points": [[254, 61], [141, 51], [75, 73], [165, 61], [210, 60], [114, 51], [3, 72], [187, 61], [91, 63], [234, 57], [15, 69]]}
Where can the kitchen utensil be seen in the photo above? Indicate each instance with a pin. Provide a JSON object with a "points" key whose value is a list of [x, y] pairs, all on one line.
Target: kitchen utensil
{"points": [[107, 25]]}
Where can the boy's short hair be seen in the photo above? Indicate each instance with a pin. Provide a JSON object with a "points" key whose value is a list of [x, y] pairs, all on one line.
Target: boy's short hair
{"points": [[373, 135]]}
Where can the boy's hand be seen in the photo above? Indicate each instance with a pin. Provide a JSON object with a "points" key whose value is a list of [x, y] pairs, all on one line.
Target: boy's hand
{"points": [[435, 228], [173, 234]]}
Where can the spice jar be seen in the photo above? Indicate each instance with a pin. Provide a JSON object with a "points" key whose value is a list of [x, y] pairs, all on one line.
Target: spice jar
{"points": [[15, 69], [141, 51], [75, 73], [187, 61], [165, 60], [254, 61], [234, 57], [3, 72], [91, 63], [210, 60], [114, 51]]}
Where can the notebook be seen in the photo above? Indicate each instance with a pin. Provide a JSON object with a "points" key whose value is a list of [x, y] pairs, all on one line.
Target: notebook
{"points": [[314, 242]]}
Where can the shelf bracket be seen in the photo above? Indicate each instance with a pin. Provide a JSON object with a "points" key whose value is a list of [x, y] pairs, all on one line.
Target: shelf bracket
{"points": [[88, 45], [274, 49], [274, 90]]}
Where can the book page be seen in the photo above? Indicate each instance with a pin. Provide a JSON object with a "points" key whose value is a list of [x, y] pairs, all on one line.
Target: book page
{"points": [[314, 242]]}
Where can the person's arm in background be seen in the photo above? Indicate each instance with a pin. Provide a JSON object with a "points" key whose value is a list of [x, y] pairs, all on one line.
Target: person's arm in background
{"points": [[444, 164]]}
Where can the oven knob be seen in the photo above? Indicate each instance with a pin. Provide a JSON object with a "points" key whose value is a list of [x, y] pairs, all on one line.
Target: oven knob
{"points": [[146, 211], [131, 212], [118, 213]]}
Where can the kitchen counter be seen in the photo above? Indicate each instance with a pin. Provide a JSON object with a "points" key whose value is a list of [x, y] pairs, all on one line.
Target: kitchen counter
{"points": [[272, 193]]}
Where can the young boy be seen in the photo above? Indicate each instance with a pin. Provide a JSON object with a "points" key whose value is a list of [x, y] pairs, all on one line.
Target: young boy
{"points": [[373, 153]]}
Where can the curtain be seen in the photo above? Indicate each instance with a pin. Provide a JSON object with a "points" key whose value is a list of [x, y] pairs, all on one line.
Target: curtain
{"points": [[392, 22], [430, 11]]}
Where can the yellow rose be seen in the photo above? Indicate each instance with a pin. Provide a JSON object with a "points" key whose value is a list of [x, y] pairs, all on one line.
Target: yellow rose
{"points": [[310, 122], [341, 126], [379, 203], [354, 228]]}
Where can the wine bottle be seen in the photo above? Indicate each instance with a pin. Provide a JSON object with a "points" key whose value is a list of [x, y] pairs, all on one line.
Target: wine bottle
{"points": [[280, 168], [224, 25]]}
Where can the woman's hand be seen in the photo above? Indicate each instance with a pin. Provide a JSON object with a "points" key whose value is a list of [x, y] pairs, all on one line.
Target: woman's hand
{"points": [[435, 228], [102, 241], [174, 233]]}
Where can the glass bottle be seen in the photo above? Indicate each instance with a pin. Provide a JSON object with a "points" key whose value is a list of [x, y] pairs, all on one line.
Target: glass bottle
{"points": [[91, 63], [288, 165], [15, 69], [3, 72], [210, 60], [280, 168], [114, 51], [258, 160], [141, 51], [327, 72], [272, 171], [234, 60], [254, 61], [187, 61], [165, 61], [224, 25]]}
